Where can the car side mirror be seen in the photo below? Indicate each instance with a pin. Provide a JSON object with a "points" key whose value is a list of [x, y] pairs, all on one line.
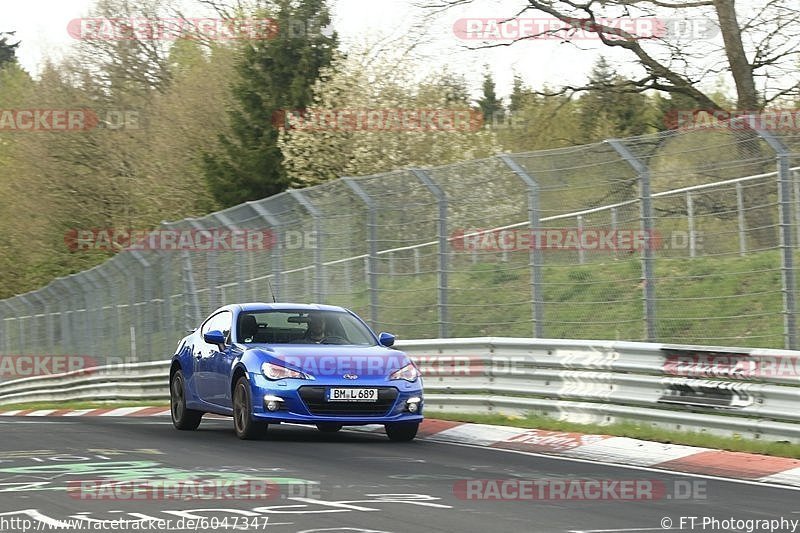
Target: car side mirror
{"points": [[215, 337], [386, 339]]}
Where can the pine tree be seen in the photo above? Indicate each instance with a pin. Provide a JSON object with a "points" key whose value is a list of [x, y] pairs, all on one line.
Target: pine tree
{"points": [[276, 75], [491, 106], [7, 50], [612, 107]]}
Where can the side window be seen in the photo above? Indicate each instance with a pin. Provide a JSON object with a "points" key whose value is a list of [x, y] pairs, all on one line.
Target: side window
{"points": [[221, 321]]}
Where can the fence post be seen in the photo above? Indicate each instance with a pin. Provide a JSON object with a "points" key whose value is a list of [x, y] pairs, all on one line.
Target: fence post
{"points": [[319, 267], [690, 222], [441, 230], [277, 258], [581, 251], [372, 245], [6, 346], [15, 316], [785, 234], [796, 185], [742, 223], [88, 293], [66, 329], [536, 262], [146, 297], [614, 228], [48, 341], [239, 255], [191, 301], [166, 291], [212, 268], [113, 322], [646, 216]]}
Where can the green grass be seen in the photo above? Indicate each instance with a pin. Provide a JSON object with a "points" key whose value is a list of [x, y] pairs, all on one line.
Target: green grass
{"points": [[636, 431], [724, 300]]}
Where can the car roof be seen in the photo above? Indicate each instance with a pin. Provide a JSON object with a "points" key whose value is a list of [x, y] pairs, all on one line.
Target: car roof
{"points": [[280, 306]]}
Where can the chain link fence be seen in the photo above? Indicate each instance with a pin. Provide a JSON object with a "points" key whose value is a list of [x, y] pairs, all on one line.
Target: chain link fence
{"points": [[684, 236]]}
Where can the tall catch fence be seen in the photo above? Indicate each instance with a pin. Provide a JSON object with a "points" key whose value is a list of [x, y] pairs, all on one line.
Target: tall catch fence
{"points": [[682, 236]]}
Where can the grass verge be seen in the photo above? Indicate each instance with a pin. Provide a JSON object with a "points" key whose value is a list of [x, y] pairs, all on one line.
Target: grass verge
{"points": [[81, 405]]}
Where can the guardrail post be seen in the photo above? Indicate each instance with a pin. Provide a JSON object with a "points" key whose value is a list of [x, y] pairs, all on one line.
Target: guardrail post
{"points": [[646, 216], [785, 225], [444, 243], [536, 260], [372, 244], [276, 242], [319, 267]]}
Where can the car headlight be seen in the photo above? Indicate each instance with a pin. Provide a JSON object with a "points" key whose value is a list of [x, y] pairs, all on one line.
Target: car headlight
{"points": [[275, 372], [408, 373]]}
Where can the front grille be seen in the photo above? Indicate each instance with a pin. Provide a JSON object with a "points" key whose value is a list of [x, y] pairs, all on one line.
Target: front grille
{"points": [[314, 398]]}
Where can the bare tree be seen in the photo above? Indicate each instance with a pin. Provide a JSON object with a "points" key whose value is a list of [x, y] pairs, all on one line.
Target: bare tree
{"points": [[756, 43]]}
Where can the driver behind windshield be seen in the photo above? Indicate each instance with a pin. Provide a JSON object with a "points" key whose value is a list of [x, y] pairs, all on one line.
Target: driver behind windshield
{"points": [[316, 328]]}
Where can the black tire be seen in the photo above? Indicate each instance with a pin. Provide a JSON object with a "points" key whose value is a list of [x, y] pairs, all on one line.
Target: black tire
{"points": [[246, 428], [329, 427], [182, 418], [402, 432]]}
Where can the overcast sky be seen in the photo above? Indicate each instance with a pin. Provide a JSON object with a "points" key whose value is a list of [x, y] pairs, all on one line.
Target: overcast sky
{"points": [[41, 25]]}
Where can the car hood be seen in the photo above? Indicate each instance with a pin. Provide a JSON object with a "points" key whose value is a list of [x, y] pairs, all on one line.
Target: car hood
{"points": [[333, 360]]}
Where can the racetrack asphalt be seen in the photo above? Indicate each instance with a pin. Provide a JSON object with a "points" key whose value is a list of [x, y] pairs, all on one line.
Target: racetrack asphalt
{"points": [[348, 481]]}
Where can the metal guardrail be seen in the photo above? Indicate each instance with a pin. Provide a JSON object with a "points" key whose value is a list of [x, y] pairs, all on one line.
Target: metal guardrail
{"points": [[753, 393]]}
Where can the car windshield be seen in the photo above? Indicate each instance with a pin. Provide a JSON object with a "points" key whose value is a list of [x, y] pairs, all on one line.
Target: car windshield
{"points": [[302, 327]]}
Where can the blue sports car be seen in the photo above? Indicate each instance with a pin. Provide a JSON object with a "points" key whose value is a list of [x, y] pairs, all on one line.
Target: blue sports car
{"points": [[309, 364]]}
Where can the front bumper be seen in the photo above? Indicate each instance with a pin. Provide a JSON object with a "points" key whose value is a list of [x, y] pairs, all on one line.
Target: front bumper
{"points": [[303, 401]]}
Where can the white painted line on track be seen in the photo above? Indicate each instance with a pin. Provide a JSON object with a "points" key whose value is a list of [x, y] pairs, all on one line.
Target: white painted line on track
{"points": [[637, 452]]}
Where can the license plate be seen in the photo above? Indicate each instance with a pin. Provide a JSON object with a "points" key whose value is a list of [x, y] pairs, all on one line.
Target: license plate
{"points": [[352, 395]]}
